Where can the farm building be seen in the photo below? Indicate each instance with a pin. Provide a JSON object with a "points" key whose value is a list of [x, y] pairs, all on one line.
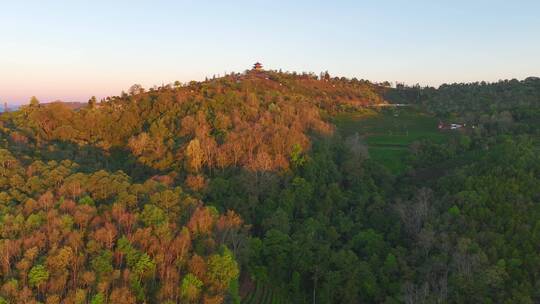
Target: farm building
{"points": [[450, 126]]}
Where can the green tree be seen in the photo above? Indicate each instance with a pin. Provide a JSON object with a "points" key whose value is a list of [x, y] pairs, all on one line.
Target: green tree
{"points": [[34, 102], [38, 275], [191, 287], [98, 299], [131, 254], [145, 265], [297, 157], [222, 268], [102, 264], [152, 215], [87, 200]]}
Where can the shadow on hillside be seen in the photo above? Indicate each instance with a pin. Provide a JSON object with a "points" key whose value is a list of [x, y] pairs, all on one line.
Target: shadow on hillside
{"points": [[89, 158]]}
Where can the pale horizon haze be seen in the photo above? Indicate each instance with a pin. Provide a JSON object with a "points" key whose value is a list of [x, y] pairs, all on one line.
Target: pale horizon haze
{"points": [[71, 50]]}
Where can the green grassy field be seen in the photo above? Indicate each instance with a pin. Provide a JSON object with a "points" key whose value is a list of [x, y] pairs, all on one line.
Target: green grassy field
{"points": [[389, 132]]}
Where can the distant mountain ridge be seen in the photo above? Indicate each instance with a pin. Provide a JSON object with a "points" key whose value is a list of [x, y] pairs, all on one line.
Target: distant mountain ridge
{"points": [[74, 105], [70, 104], [9, 108]]}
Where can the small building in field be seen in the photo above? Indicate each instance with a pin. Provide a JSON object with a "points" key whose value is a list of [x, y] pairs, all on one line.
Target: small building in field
{"points": [[450, 126]]}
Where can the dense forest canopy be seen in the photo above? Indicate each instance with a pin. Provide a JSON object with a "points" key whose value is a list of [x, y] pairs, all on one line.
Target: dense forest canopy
{"points": [[477, 97], [251, 187]]}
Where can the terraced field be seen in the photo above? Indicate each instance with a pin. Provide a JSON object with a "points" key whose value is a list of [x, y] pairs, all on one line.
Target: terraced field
{"points": [[389, 132], [265, 295]]}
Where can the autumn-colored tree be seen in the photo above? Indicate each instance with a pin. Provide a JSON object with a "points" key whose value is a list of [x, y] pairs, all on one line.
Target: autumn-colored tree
{"points": [[195, 182], [122, 296], [194, 155], [202, 220], [92, 102], [34, 101]]}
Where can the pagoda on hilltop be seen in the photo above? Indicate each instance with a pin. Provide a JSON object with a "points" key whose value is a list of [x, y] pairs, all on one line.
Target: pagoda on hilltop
{"points": [[257, 66]]}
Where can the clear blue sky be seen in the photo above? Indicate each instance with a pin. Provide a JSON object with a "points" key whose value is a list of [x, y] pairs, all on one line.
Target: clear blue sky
{"points": [[71, 50]]}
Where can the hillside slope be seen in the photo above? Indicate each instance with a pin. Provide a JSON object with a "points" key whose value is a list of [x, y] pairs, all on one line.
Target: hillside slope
{"points": [[252, 120]]}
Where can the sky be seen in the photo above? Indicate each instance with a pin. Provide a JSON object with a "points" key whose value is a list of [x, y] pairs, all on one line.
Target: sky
{"points": [[71, 50]]}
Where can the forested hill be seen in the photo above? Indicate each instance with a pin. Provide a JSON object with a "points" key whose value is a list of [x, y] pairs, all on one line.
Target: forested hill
{"points": [[269, 187], [251, 120]]}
